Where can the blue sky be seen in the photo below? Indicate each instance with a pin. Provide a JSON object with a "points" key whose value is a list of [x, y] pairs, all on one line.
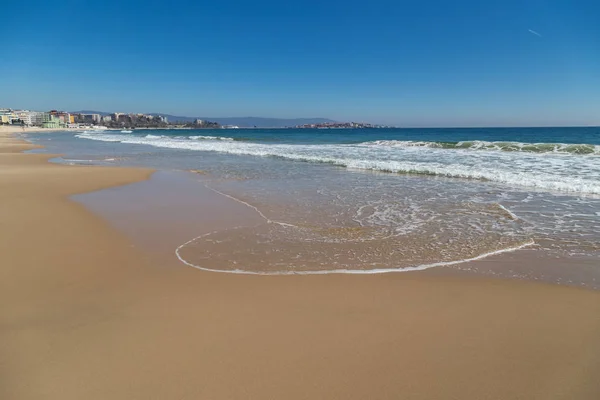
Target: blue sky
{"points": [[408, 63]]}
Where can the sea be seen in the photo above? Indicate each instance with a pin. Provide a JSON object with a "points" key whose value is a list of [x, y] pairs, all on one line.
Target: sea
{"points": [[373, 200]]}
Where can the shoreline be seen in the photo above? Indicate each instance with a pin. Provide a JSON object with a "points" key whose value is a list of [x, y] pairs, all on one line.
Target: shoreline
{"points": [[414, 268], [170, 201], [87, 314]]}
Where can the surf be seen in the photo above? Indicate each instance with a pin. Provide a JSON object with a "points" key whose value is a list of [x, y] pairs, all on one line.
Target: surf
{"points": [[546, 167]]}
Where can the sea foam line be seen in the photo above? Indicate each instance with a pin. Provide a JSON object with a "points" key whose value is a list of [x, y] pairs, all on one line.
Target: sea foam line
{"points": [[269, 221], [512, 214], [421, 267]]}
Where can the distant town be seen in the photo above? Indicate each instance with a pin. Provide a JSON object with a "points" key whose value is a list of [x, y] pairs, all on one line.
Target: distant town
{"points": [[63, 119], [119, 120]]}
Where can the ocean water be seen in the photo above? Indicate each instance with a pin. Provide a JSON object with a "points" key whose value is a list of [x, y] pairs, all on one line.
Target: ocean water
{"points": [[374, 199]]}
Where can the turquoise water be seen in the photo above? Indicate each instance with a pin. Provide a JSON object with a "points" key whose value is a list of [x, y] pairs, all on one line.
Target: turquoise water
{"points": [[375, 199], [586, 135], [560, 160]]}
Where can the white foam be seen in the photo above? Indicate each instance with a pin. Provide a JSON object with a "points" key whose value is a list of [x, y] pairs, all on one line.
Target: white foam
{"points": [[200, 137], [549, 148], [512, 214], [269, 221], [345, 271], [400, 143], [334, 271], [543, 171]]}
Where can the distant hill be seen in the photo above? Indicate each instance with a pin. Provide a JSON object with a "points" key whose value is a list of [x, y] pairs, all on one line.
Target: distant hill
{"points": [[242, 122], [249, 122]]}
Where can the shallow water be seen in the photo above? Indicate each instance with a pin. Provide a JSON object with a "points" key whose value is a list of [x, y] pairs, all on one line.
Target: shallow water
{"points": [[325, 203]]}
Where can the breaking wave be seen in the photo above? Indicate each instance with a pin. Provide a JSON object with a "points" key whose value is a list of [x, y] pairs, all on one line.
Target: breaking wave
{"points": [[198, 137], [555, 148], [565, 168]]}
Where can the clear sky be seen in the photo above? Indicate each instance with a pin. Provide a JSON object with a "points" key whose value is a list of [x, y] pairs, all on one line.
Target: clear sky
{"points": [[408, 63]]}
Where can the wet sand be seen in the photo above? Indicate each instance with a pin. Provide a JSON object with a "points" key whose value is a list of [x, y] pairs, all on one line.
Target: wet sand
{"points": [[175, 202], [86, 313]]}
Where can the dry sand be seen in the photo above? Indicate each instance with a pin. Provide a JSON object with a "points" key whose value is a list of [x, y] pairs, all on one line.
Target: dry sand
{"points": [[9, 129], [84, 315]]}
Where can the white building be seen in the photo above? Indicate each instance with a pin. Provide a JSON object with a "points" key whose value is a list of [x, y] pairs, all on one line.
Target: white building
{"points": [[30, 118], [24, 116], [37, 117], [7, 116]]}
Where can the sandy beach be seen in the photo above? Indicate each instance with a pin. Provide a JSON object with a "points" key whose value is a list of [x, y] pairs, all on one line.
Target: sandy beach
{"points": [[85, 314]]}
